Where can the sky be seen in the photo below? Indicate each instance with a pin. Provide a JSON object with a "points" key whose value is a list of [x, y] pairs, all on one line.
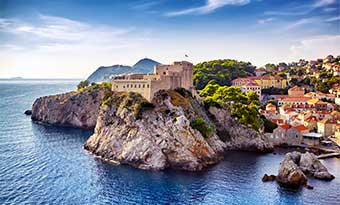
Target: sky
{"points": [[70, 39]]}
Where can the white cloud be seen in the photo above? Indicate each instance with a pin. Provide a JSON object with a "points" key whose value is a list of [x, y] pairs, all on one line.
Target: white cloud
{"points": [[315, 47], [304, 9], [210, 6], [265, 21], [55, 46], [300, 23], [323, 3], [335, 18]]}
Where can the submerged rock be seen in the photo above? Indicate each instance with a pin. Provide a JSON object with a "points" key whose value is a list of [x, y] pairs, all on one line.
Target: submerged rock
{"points": [[268, 178], [28, 112], [312, 166], [154, 136], [238, 136], [76, 109]]}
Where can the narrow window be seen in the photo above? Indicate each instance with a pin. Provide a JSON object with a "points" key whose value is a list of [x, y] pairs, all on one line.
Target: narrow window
{"points": [[164, 73], [139, 86], [148, 85]]}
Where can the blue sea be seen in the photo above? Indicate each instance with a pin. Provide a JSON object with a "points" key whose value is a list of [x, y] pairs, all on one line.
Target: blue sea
{"points": [[42, 164]]}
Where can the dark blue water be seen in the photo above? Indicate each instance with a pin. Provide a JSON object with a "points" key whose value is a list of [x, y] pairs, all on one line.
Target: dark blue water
{"points": [[47, 165]]}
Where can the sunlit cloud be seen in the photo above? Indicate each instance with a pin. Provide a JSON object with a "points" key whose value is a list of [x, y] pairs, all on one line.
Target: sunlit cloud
{"points": [[210, 6]]}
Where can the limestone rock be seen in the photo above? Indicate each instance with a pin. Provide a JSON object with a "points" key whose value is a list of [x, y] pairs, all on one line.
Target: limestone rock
{"points": [[238, 136], [76, 109], [131, 131], [290, 175], [312, 166]]}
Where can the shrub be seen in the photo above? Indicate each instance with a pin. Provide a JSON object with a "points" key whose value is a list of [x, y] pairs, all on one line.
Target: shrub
{"points": [[269, 126], [83, 84], [200, 125]]}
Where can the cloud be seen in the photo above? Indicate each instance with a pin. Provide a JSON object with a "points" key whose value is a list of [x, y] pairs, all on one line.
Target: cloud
{"points": [[304, 9], [265, 21], [323, 3], [300, 23], [56, 29], [145, 4], [335, 18], [315, 47], [210, 6]]}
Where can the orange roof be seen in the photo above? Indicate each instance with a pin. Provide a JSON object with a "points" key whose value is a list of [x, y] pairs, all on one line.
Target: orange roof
{"points": [[304, 99], [301, 128], [296, 88], [311, 119], [286, 126]]}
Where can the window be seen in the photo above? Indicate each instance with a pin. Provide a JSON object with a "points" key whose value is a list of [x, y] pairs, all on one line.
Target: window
{"points": [[164, 73], [123, 86], [143, 85], [127, 85], [139, 86], [116, 86], [148, 86], [135, 86]]}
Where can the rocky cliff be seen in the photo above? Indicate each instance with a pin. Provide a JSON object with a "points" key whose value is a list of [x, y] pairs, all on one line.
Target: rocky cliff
{"points": [[76, 109], [154, 136], [237, 136]]}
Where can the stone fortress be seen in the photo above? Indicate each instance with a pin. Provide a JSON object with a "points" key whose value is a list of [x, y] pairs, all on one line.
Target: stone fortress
{"points": [[165, 77]]}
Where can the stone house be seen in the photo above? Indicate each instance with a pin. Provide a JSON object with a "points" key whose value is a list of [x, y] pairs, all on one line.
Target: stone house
{"points": [[326, 127], [286, 135]]}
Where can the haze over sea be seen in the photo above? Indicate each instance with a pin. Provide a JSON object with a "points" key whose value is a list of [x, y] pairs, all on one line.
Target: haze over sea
{"points": [[42, 164]]}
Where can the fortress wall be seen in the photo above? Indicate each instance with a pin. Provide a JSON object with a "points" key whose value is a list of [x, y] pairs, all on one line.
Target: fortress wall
{"points": [[142, 87]]}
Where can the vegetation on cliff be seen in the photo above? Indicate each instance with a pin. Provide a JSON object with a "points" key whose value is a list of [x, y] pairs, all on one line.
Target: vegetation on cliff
{"points": [[205, 129], [241, 105], [221, 71]]}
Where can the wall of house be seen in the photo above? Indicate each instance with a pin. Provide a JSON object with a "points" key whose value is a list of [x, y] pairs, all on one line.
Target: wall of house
{"points": [[289, 136]]}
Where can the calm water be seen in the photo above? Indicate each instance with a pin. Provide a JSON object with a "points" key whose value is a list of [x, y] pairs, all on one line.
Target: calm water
{"points": [[47, 165]]}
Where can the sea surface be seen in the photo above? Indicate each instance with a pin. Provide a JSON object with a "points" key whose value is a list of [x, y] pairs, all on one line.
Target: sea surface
{"points": [[48, 165]]}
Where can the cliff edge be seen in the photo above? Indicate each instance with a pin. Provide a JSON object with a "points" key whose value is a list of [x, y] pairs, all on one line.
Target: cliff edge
{"points": [[75, 109], [154, 136]]}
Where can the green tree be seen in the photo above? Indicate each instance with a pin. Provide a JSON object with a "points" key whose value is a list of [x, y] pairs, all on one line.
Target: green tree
{"points": [[83, 84], [221, 71]]}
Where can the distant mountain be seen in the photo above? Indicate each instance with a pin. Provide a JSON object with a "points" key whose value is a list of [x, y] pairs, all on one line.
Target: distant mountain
{"points": [[104, 73], [145, 64]]}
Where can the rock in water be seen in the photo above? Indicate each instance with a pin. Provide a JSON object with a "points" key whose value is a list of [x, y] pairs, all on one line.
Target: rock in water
{"points": [[154, 136], [290, 175], [76, 109], [268, 178], [28, 112], [312, 166], [238, 136]]}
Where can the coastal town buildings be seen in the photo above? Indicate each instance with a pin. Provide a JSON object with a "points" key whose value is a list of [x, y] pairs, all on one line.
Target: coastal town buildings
{"points": [[177, 75], [263, 81]]}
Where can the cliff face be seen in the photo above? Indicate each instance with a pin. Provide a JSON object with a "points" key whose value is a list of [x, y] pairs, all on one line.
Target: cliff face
{"points": [[153, 136], [238, 136], [76, 109]]}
